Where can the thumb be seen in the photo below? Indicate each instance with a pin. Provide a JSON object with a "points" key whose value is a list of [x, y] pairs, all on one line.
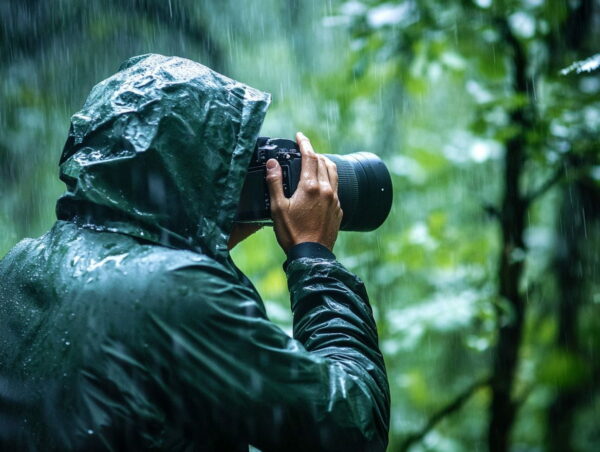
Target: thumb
{"points": [[274, 182]]}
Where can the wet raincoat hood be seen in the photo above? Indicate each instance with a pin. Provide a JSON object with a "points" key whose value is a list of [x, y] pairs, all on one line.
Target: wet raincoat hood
{"points": [[160, 151]]}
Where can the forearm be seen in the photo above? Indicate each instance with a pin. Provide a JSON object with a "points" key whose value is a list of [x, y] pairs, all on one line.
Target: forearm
{"points": [[333, 319], [322, 289]]}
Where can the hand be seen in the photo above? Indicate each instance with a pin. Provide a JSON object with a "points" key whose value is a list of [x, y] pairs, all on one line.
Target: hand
{"points": [[240, 232], [313, 213]]}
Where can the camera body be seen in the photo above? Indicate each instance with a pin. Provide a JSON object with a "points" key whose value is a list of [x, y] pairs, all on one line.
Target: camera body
{"points": [[255, 204], [364, 185]]}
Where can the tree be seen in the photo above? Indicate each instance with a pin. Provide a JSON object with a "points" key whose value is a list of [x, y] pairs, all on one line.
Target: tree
{"points": [[531, 41]]}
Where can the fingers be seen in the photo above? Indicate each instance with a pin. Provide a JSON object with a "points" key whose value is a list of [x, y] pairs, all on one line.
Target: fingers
{"points": [[332, 173], [326, 190], [309, 170], [322, 173], [275, 184], [318, 172]]}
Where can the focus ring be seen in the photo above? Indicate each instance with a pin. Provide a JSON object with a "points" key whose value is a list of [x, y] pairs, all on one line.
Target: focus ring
{"points": [[347, 188]]}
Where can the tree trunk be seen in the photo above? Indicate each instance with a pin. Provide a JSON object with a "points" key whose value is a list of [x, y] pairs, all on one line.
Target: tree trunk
{"points": [[579, 222], [512, 220]]}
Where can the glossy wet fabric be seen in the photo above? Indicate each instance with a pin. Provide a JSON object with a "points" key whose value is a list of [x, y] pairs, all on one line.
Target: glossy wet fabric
{"points": [[128, 327]]}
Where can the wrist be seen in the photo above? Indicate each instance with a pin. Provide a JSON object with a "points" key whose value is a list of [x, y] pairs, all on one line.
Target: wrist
{"points": [[313, 250], [311, 239]]}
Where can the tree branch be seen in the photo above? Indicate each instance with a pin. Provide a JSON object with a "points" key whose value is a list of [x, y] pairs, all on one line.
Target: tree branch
{"points": [[447, 410], [492, 211], [556, 176], [524, 395], [576, 166]]}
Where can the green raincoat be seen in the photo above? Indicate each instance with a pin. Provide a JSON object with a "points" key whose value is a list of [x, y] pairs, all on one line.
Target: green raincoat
{"points": [[128, 327]]}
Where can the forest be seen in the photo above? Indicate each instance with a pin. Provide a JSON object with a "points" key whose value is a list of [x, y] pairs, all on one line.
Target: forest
{"points": [[485, 279]]}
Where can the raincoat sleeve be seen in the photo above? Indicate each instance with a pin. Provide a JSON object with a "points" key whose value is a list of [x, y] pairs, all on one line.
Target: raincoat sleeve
{"points": [[324, 390], [333, 320]]}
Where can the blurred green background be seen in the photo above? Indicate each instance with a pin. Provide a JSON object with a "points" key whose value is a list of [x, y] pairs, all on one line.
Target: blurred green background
{"points": [[485, 280]]}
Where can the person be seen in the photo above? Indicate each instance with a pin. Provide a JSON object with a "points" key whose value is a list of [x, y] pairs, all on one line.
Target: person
{"points": [[127, 326]]}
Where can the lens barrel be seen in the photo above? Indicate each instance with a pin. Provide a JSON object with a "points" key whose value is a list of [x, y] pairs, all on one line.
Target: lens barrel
{"points": [[364, 190]]}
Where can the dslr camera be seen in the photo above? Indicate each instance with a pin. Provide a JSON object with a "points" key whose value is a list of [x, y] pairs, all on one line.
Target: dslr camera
{"points": [[364, 185]]}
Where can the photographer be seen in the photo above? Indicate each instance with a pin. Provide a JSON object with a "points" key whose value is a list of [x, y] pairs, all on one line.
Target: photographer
{"points": [[127, 326]]}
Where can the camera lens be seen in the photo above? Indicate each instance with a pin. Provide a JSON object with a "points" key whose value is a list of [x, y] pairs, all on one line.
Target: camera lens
{"points": [[364, 190]]}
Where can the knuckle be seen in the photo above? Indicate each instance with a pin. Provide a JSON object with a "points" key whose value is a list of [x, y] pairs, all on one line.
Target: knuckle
{"points": [[312, 186], [275, 206], [327, 192]]}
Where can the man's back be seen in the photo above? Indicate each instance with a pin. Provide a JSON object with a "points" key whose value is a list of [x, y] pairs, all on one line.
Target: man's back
{"points": [[113, 344], [83, 362]]}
